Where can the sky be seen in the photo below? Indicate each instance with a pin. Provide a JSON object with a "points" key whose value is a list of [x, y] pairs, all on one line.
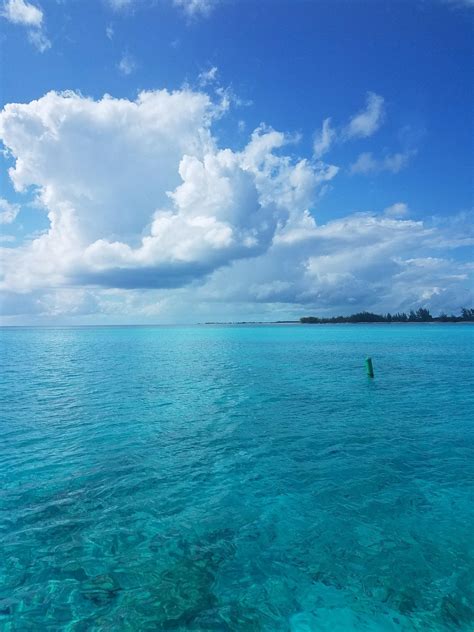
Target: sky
{"points": [[184, 161]]}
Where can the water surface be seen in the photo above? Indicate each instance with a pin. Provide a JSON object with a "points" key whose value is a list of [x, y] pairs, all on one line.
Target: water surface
{"points": [[237, 479]]}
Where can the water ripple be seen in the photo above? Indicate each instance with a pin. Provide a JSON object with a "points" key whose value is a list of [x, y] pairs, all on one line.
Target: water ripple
{"points": [[237, 479]]}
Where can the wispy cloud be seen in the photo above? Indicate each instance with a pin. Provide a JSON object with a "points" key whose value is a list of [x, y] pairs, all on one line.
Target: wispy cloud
{"points": [[362, 125], [196, 8], [39, 40], [7, 239], [120, 5], [190, 8], [367, 121], [127, 65], [460, 3], [324, 139], [8, 211], [109, 31], [367, 163], [208, 76], [29, 16], [399, 209]]}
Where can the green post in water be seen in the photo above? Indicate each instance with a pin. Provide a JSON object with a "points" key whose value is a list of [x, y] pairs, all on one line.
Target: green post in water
{"points": [[369, 367]]}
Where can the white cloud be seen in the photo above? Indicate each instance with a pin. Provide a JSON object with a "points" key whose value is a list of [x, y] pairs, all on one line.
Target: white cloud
{"points": [[120, 5], [361, 125], [109, 31], [190, 8], [8, 211], [39, 40], [195, 8], [22, 12], [399, 209], [30, 16], [461, 3], [368, 121], [208, 76], [127, 64], [139, 195], [366, 163], [6, 238], [324, 139], [362, 261]]}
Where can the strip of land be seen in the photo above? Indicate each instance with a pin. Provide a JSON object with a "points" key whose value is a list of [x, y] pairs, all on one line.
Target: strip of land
{"points": [[422, 315]]}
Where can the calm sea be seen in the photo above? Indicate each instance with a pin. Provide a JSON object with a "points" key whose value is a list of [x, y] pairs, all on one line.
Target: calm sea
{"points": [[237, 479]]}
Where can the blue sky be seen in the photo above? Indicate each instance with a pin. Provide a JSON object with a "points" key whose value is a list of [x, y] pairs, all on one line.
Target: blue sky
{"points": [[215, 219]]}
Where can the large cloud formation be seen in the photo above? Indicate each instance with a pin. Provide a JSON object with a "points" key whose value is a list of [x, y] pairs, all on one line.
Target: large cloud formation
{"points": [[140, 195], [357, 262]]}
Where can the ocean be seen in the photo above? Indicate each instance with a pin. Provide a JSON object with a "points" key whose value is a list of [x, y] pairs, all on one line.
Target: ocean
{"points": [[237, 478]]}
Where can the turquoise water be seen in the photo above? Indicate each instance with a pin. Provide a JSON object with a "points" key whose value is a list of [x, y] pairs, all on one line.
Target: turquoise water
{"points": [[237, 478]]}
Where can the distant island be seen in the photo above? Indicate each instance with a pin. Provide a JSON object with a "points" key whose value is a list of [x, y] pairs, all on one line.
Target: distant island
{"points": [[422, 315]]}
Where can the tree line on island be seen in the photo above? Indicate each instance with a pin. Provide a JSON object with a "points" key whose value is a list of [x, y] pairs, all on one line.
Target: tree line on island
{"points": [[422, 315]]}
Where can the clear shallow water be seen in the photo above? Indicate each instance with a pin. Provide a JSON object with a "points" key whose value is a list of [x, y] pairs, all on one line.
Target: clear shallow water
{"points": [[237, 478]]}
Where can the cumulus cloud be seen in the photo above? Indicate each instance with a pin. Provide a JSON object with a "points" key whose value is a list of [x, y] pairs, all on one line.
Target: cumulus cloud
{"points": [[30, 16], [139, 195], [8, 211], [366, 163], [367, 121], [362, 261]]}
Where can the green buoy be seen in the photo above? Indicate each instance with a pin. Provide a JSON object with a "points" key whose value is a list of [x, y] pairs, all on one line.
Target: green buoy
{"points": [[369, 367]]}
